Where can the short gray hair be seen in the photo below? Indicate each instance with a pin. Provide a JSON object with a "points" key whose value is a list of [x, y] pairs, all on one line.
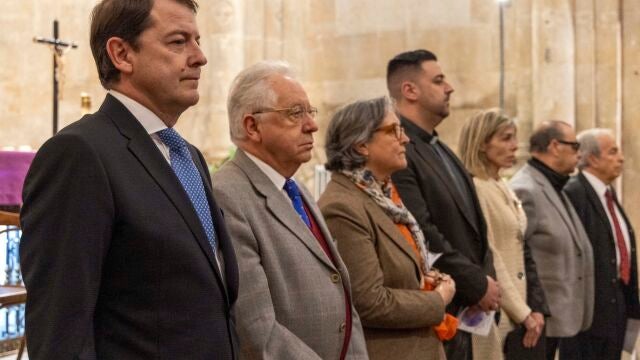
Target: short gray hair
{"points": [[589, 144], [250, 91], [352, 125]]}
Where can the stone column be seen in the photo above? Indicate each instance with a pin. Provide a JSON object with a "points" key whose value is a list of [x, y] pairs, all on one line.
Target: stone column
{"points": [[522, 57], [553, 44], [586, 100], [222, 30], [608, 63], [631, 108]]}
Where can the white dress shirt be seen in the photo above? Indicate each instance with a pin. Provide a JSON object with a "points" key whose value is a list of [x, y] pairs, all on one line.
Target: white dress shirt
{"points": [[149, 121], [275, 177]]}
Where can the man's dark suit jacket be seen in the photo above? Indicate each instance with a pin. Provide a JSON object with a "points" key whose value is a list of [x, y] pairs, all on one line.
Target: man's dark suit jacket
{"points": [[612, 298], [451, 227], [114, 258]]}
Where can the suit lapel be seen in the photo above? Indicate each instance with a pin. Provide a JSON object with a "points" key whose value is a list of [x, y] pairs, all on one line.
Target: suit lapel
{"points": [[391, 230], [433, 160], [145, 150], [282, 210], [380, 218], [595, 202], [554, 198]]}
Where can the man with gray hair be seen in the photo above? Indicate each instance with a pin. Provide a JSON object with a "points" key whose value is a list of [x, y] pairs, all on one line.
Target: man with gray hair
{"points": [[613, 242], [555, 235], [294, 300]]}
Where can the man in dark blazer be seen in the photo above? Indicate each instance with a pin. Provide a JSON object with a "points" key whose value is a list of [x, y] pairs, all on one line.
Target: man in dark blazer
{"points": [[438, 191], [118, 260], [616, 269]]}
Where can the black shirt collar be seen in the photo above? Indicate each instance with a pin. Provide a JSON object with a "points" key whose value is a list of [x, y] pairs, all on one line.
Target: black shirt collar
{"points": [[557, 180], [416, 132]]}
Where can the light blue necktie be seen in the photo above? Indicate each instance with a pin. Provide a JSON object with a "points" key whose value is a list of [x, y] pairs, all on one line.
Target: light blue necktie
{"points": [[292, 190], [186, 171]]}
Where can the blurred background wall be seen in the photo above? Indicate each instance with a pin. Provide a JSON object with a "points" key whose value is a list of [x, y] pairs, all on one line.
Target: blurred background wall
{"points": [[573, 60]]}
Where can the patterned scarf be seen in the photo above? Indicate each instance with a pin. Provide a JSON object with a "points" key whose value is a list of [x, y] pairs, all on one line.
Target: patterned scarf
{"points": [[381, 195]]}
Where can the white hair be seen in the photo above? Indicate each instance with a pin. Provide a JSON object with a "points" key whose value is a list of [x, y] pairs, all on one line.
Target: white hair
{"points": [[589, 144], [250, 91]]}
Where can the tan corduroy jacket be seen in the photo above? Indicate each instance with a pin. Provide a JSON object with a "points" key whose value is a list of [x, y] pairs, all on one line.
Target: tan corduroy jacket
{"points": [[396, 315]]}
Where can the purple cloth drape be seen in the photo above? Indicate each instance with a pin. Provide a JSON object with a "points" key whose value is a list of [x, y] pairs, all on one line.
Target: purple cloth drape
{"points": [[13, 169]]}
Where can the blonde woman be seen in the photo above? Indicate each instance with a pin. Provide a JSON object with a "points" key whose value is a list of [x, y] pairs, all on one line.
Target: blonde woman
{"points": [[488, 144]]}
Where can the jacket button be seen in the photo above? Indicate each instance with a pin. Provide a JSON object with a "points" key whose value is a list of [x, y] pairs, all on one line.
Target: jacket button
{"points": [[342, 327], [520, 275], [614, 280], [579, 254], [613, 261], [579, 277], [335, 278], [613, 301]]}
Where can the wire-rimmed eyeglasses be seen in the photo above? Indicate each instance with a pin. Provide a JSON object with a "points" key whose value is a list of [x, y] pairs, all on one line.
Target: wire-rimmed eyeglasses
{"points": [[295, 112]]}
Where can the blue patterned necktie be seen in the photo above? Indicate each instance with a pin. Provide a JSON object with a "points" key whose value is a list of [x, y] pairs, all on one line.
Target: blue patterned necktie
{"points": [[294, 194], [186, 171]]}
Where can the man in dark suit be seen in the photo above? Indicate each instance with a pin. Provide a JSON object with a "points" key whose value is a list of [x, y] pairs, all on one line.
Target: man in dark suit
{"points": [[613, 242], [438, 191], [124, 252]]}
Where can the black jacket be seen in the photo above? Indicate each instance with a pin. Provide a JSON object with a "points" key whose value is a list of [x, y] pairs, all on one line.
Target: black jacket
{"points": [[450, 227], [114, 258], [614, 301]]}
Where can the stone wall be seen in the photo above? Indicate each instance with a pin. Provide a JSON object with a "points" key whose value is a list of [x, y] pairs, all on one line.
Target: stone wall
{"points": [[575, 60]]}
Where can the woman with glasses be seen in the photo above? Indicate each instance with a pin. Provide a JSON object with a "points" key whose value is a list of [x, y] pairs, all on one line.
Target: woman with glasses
{"points": [[487, 145], [401, 301]]}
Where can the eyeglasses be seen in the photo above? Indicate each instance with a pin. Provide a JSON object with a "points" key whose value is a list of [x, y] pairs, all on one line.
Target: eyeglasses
{"points": [[295, 112], [397, 129], [574, 144]]}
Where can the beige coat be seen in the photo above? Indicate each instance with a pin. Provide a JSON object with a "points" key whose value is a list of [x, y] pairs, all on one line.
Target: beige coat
{"points": [[396, 315], [506, 222]]}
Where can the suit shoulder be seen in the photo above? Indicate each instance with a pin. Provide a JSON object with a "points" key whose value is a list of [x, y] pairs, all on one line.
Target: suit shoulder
{"points": [[576, 191], [229, 174], [521, 180], [574, 184], [336, 199]]}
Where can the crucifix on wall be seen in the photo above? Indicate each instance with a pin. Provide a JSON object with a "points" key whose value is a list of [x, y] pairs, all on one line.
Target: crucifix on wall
{"points": [[59, 48]]}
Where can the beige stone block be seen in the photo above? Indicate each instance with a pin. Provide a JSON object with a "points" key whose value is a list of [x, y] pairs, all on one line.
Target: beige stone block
{"points": [[470, 48], [630, 126], [486, 11], [365, 16], [440, 15], [321, 16]]}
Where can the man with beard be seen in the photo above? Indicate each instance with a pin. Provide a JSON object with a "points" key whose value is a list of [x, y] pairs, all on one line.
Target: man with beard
{"points": [[438, 191]]}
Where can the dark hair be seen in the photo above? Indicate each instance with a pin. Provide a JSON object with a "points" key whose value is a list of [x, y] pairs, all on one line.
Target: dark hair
{"points": [[544, 134], [352, 125], [403, 65], [125, 19]]}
